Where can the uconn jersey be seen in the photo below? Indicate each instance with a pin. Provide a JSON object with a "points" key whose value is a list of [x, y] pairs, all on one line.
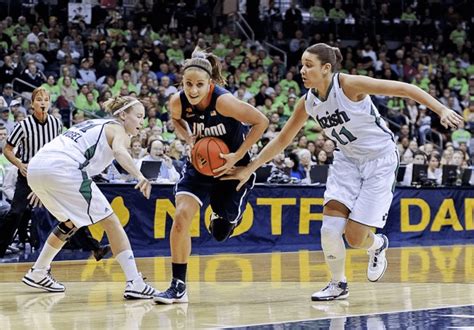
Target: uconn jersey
{"points": [[86, 144], [209, 122], [356, 127]]}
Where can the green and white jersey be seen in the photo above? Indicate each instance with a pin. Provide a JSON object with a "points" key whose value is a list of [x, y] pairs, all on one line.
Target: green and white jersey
{"points": [[356, 127], [85, 143]]}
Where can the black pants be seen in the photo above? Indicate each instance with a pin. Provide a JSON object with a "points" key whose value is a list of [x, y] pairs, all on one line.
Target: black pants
{"points": [[16, 217]]}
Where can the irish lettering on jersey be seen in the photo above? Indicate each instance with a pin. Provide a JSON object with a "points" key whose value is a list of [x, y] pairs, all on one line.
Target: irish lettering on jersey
{"points": [[337, 118]]}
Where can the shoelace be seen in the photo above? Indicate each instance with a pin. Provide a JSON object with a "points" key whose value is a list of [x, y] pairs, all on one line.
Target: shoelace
{"points": [[331, 285], [172, 291], [374, 258], [48, 274]]}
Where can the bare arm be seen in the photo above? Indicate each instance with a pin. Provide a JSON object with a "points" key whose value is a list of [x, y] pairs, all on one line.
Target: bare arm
{"points": [[357, 87], [10, 155], [119, 140], [287, 134], [230, 106]]}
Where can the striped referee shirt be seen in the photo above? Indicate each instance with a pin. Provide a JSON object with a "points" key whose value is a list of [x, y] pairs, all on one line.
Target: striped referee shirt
{"points": [[30, 135]]}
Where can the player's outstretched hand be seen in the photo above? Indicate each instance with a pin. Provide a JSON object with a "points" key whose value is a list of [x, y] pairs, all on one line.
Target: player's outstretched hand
{"points": [[241, 173], [34, 200], [230, 160], [450, 118], [144, 186]]}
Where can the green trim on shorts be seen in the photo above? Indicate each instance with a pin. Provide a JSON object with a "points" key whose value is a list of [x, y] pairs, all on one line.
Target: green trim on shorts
{"points": [[396, 171], [86, 191]]}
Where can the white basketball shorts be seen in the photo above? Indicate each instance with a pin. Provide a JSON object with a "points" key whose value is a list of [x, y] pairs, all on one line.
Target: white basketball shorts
{"points": [[66, 191], [365, 188]]}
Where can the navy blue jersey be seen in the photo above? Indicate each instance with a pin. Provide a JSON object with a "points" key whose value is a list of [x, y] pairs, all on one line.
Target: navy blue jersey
{"points": [[209, 122]]}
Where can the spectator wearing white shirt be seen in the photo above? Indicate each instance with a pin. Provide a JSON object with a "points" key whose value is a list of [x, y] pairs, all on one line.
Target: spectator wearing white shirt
{"points": [[156, 153]]}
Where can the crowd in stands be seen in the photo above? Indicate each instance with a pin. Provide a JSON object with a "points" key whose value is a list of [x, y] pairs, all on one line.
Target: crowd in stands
{"points": [[83, 65]]}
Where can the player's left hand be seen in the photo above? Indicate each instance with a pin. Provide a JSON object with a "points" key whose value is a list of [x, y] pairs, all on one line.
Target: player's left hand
{"points": [[144, 186], [450, 118], [34, 200], [240, 173], [230, 160]]}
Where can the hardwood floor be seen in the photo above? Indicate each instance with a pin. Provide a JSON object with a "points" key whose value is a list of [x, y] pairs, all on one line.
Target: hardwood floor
{"points": [[237, 290]]}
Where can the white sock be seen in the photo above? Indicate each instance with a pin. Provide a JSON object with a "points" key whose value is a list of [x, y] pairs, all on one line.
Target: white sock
{"points": [[127, 262], [46, 256], [333, 246], [378, 242]]}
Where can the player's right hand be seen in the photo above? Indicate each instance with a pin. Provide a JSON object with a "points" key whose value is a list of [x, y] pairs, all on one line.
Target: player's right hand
{"points": [[34, 200], [144, 186], [23, 169], [240, 173]]}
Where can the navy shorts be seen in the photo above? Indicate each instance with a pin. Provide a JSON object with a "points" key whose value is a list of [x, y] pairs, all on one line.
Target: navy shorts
{"points": [[222, 196]]}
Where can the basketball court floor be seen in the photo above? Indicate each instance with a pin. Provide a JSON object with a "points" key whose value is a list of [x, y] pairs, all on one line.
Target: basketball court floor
{"points": [[424, 287]]}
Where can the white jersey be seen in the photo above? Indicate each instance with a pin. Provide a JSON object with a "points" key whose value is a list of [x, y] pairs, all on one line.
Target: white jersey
{"points": [[356, 127], [85, 143]]}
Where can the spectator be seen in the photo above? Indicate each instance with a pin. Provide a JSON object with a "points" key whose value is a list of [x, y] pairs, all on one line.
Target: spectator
{"points": [[5, 120], [7, 97], [293, 19], [156, 153], [86, 74], [33, 54], [53, 89], [419, 158], [434, 171], [461, 135], [68, 91], [32, 76]]}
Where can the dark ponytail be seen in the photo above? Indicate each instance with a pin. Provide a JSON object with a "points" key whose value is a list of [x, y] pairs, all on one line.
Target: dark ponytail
{"points": [[326, 54]]}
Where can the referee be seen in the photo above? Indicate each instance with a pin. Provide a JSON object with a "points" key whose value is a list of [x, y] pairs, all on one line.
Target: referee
{"points": [[29, 136]]}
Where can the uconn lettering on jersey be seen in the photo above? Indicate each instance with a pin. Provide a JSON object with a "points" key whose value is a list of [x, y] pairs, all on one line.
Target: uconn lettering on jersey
{"points": [[337, 118], [199, 130]]}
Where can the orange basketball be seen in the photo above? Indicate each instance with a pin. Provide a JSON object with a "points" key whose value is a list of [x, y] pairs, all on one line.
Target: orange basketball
{"points": [[205, 155]]}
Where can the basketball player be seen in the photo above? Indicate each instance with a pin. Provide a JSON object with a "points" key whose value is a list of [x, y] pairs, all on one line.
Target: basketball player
{"points": [[60, 176], [360, 185], [205, 109]]}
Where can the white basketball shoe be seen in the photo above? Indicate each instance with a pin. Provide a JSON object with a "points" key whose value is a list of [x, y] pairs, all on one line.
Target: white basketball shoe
{"points": [[138, 289], [333, 291], [377, 261], [42, 279]]}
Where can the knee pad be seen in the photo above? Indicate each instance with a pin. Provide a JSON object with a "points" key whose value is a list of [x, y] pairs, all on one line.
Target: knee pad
{"points": [[63, 232], [220, 228], [332, 228]]}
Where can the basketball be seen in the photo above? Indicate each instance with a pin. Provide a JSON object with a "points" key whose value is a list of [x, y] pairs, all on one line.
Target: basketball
{"points": [[205, 155]]}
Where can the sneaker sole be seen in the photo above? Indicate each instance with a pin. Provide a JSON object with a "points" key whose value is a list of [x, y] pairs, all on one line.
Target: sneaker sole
{"points": [[167, 301], [136, 295], [29, 282], [344, 296]]}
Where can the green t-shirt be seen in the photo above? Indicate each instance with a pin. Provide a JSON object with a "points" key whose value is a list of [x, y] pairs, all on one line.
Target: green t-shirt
{"points": [[458, 85], [460, 136], [287, 84], [119, 84], [175, 54], [408, 17], [337, 14], [54, 91], [458, 37], [318, 13]]}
